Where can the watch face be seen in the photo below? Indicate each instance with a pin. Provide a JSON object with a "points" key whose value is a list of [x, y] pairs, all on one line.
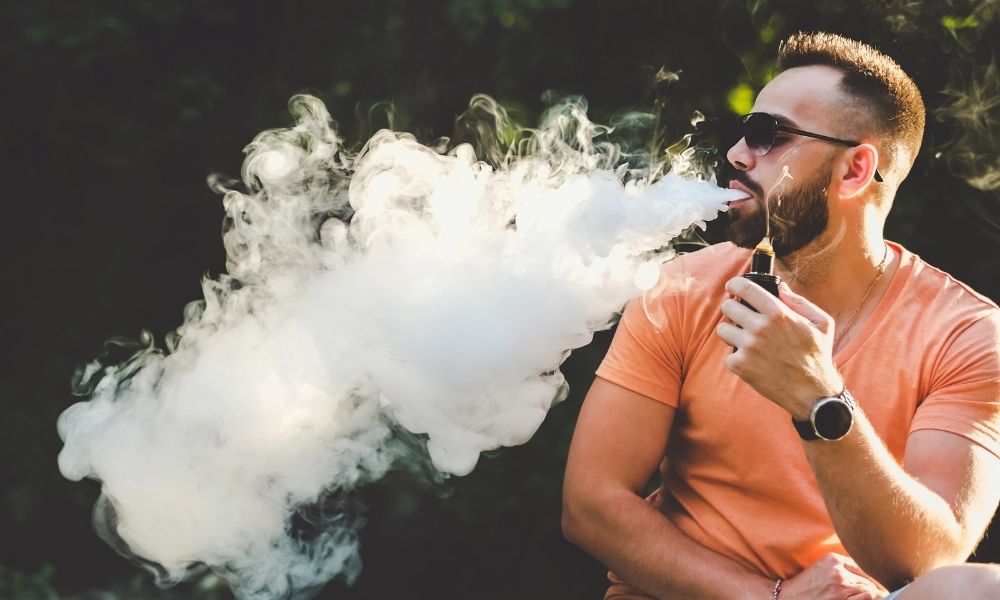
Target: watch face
{"points": [[832, 419]]}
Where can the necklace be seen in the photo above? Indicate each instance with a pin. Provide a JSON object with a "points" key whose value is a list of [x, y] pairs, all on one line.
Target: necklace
{"points": [[881, 269]]}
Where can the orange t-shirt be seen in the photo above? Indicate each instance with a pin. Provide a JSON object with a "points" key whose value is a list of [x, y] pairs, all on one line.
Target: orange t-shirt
{"points": [[738, 481]]}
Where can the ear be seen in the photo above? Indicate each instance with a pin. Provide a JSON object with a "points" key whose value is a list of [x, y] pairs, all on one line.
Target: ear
{"points": [[860, 164]]}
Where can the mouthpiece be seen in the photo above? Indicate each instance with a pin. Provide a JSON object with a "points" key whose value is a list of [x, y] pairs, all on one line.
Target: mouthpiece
{"points": [[762, 260]]}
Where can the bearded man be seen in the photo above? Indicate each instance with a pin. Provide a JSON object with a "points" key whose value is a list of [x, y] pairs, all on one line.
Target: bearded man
{"points": [[841, 440]]}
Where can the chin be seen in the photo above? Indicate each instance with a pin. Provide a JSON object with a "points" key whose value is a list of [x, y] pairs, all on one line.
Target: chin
{"points": [[745, 233], [746, 242]]}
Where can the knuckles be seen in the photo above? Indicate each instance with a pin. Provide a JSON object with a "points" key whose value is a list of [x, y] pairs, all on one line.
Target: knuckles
{"points": [[778, 319]]}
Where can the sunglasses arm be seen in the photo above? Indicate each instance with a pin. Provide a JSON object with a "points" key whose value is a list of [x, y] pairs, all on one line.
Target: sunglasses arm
{"points": [[826, 138]]}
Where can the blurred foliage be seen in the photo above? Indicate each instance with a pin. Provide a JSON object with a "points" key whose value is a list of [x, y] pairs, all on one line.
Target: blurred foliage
{"points": [[114, 112], [15, 584]]}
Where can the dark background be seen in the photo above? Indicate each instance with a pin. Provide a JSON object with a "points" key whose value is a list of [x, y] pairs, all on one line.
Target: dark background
{"points": [[113, 113]]}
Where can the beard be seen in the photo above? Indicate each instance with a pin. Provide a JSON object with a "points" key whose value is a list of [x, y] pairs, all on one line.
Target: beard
{"points": [[798, 216]]}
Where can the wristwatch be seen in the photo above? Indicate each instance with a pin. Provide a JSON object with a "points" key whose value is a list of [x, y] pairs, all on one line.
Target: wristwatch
{"points": [[830, 420]]}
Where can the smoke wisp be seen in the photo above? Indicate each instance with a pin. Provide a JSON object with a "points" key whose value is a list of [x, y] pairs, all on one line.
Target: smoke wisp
{"points": [[401, 288], [973, 107]]}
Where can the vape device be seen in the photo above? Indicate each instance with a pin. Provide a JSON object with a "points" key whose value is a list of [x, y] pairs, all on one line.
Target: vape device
{"points": [[762, 268]]}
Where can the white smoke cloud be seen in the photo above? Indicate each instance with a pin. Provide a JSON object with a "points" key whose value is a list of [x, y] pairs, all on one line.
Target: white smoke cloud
{"points": [[393, 288]]}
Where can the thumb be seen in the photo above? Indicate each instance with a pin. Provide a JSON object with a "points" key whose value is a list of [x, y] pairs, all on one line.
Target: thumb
{"points": [[803, 307]]}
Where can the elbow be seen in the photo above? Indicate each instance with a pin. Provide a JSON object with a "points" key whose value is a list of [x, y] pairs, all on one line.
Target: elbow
{"points": [[590, 512], [571, 521], [896, 579], [569, 529], [911, 566], [894, 576], [582, 514], [906, 555]]}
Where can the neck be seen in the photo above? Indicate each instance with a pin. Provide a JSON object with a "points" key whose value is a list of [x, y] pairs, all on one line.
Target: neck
{"points": [[835, 270]]}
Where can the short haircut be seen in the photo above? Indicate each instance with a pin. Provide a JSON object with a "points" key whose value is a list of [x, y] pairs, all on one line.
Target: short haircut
{"points": [[888, 102]]}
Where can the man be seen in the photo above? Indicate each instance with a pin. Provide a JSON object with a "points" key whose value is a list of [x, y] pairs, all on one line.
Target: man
{"points": [[889, 368]]}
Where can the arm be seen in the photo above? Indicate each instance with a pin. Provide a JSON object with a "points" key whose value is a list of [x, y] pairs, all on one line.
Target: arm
{"points": [[901, 521], [619, 441], [896, 521]]}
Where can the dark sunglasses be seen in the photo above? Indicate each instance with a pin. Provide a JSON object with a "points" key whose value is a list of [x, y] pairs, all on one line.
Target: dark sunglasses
{"points": [[759, 129]]}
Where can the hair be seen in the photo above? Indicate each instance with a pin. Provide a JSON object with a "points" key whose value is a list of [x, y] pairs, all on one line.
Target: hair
{"points": [[886, 100]]}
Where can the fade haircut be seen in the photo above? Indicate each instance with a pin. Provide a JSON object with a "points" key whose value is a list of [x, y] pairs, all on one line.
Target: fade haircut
{"points": [[886, 102]]}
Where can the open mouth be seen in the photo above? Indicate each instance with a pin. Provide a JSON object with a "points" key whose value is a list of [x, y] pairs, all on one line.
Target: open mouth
{"points": [[740, 200]]}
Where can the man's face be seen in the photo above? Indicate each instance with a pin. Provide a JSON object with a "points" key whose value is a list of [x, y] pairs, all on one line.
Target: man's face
{"points": [[797, 211], [788, 186]]}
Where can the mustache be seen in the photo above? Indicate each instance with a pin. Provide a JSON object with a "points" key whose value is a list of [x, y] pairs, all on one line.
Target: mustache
{"points": [[750, 184]]}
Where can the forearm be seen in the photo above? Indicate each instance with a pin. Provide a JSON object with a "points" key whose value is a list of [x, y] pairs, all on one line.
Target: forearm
{"points": [[890, 523], [642, 546]]}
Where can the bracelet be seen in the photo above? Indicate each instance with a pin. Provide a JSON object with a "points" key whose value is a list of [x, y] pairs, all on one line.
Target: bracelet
{"points": [[776, 590]]}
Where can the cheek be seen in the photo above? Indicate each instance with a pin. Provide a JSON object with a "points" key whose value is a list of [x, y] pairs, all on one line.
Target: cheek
{"points": [[784, 154]]}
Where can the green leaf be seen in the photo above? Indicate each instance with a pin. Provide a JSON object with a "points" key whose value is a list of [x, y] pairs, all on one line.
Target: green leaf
{"points": [[953, 23]]}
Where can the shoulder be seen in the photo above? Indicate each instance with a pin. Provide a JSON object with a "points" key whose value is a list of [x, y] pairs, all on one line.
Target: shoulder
{"points": [[707, 269], [956, 327], [934, 289], [690, 288], [724, 253]]}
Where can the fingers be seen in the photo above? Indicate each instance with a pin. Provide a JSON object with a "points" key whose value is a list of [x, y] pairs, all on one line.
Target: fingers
{"points": [[756, 296], [800, 305], [867, 596], [863, 592], [739, 314], [854, 582], [863, 588], [853, 567], [766, 304], [743, 321], [733, 335]]}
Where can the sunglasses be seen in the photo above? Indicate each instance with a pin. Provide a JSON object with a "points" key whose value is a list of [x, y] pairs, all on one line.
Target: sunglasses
{"points": [[759, 129]]}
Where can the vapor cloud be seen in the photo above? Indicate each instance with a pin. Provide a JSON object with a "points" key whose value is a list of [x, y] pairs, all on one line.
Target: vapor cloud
{"points": [[397, 289]]}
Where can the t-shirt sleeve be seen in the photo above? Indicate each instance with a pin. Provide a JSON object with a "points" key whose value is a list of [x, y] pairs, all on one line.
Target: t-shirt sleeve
{"points": [[645, 358], [964, 398]]}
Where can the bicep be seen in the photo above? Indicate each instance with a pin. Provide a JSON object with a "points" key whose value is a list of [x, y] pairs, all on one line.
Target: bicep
{"points": [[962, 473], [619, 440]]}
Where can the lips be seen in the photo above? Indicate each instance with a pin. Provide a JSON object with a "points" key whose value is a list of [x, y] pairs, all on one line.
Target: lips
{"points": [[744, 195], [739, 187]]}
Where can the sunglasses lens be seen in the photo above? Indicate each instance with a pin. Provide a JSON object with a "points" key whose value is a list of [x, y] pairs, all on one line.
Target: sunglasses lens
{"points": [[758, 131]]}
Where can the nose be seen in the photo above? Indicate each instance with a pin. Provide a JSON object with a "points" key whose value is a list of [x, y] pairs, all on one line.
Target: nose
{"points": [[740, 156]]}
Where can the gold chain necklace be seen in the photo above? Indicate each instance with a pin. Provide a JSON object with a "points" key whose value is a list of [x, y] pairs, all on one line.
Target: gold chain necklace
{"points": [[881, 269]]}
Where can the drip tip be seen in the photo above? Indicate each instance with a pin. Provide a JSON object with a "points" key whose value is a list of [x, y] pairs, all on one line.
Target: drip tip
{"points": [[763, 258]]}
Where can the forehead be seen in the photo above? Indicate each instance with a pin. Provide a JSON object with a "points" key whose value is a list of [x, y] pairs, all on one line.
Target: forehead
{"points": [[803, 95]]}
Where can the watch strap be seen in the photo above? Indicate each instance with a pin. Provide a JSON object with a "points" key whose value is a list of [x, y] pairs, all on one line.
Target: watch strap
{"points": [[805, 429]]}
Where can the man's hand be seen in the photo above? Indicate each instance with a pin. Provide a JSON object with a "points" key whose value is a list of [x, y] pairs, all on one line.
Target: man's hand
{"points": [[833, 577], [784, 350]]}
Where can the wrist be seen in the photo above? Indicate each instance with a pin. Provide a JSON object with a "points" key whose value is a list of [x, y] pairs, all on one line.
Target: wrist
{"points": [[806, 399], [759, 587]]}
